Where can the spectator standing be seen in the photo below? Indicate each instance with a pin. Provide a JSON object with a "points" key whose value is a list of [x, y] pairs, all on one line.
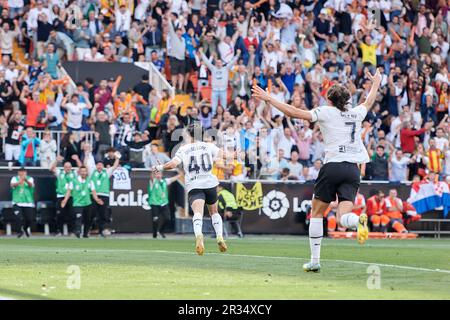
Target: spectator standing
{"points": [[143, 89], [322, 30], [29, 155], [398, 167], [102, 128], [126, 129], [47, 150], [81, 189], [219, 82], [12, 142], [158, 200], [82, 37], [123, 18], [152, 156], [64, 178], [55, 117], [36, 115], [379, 164], [22, 187], [75, 110], [50, 61], [434, 157], [407, 135], [136, 147], [241, 84], [101, 179], [7, 37], [177, 54], [295, 167], [286, 141], [43, 33], [71, 148]]}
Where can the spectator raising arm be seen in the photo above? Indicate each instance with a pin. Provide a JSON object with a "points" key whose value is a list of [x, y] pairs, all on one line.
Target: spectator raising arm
{"points": [[287, 109], [376, 81]]}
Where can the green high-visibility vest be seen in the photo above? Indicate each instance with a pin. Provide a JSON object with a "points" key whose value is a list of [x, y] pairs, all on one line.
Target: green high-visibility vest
{"points": [[81, 192], [230, 200], [23, 195], [101, 182], [63, 181], [157, 193]]}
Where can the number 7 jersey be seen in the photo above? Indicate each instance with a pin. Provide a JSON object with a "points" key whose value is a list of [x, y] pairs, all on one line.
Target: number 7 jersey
{"points": [[197, 159], [341, 133]]}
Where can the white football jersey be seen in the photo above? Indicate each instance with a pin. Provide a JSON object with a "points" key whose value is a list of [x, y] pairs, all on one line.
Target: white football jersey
{"points": [[341, 133], [197, 159]]}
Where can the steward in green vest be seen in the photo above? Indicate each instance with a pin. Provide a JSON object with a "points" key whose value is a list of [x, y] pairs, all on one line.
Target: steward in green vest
{"points": [[64, 177], [158, 200], [101, 179], [229, 208], [22, 187], [81, 189]]}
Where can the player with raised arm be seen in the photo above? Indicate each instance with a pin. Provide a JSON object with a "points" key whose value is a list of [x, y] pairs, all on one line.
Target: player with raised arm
{"points": [[197, 158], [344, 150]]}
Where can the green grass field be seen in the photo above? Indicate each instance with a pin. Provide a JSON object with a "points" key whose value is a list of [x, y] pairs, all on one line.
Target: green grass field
{"points": [[253, 268]]}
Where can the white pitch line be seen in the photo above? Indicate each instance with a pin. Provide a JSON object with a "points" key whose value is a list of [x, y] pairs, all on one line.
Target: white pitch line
{"points": [[307, 259], [61, 250]]}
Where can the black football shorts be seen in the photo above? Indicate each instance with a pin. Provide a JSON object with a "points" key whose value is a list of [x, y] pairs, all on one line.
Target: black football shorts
{"points": [[208, 195], [341, 179]]}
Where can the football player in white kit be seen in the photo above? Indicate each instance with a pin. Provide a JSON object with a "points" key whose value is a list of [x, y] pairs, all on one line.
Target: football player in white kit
{"points": [[197, 158], [344, 150]]}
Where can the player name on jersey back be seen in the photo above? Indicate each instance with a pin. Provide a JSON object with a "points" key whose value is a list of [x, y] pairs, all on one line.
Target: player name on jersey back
{"points": [[197, 159], [341, 133]]}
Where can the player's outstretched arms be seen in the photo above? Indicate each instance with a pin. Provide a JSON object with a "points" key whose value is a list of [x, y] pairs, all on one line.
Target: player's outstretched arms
{"points": [[287, 109], [376, 81]]}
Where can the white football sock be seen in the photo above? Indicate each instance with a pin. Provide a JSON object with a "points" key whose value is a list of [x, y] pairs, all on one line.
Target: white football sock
{"points": [[217, 223], [197, 222], [349, 220], [315, 238]]}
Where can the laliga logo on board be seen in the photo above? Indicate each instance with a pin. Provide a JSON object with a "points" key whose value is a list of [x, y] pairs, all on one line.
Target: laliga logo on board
{"points": [[129, 199], [275, 204]]}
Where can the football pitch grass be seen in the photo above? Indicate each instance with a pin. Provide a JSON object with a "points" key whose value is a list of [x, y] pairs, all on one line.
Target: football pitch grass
{"points": [[253, 268]]}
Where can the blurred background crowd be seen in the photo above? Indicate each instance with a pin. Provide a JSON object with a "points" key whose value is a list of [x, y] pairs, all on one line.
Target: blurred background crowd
{"points": [[212, 52]]}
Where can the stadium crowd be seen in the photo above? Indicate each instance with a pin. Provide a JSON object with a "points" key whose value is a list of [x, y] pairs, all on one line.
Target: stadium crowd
{"points": [[215, 51]]}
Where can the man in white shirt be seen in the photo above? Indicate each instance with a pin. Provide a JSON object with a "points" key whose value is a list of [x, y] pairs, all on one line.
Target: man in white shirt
{"points": [[123, 20], [441, 140], [295, 167], [398, 167], [7, 37], [313, 172], [15, 7], [280, 93], [93, 55], [11, 73], [34, 14], [286, 141], [75, 111], [55, 116], [179, 7], [226, 50], [270, 57]]}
